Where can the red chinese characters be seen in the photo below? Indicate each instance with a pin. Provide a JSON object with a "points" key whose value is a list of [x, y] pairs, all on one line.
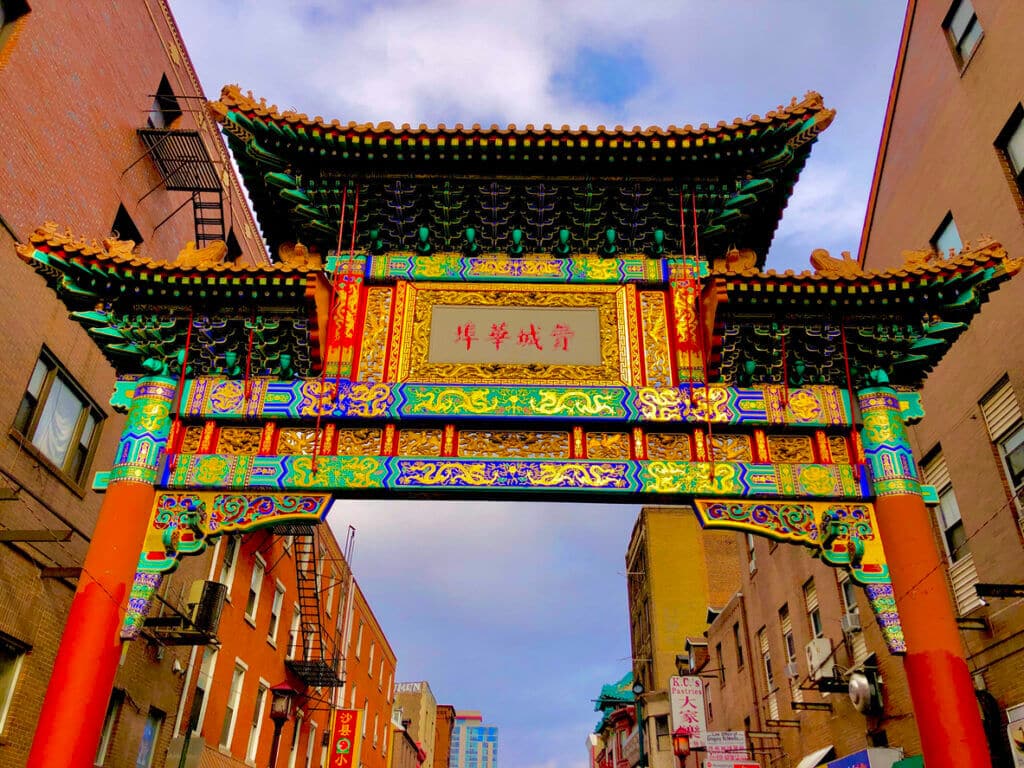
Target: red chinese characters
{"points": [[531, 335], [345, 738], [466, 333], [499, 332], [530, 338]]}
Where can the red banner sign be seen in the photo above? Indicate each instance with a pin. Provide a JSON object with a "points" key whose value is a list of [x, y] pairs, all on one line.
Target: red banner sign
{"points": [[346, 738]]}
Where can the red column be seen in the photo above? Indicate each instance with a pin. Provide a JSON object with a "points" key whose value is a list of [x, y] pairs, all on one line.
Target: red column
{"points": [[71, 720], [945, 706]]}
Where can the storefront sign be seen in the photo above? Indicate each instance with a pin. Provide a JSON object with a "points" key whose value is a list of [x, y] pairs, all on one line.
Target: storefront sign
{"points": [[730, 763], [687, 698], [408, 687], [346, 738], [724, 744], [631, 748]]}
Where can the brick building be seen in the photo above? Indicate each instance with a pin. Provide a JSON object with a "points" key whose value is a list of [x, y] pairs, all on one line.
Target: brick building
{"points": [[419, 707], [73, 155], [951, 170], [443, 735], [675, 573], [267, 636], [796, 625]]}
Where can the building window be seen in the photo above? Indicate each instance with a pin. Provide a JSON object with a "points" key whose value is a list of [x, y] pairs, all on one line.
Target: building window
{"points": [[332, 579], [12, 652], [58, 418], [766, 658], [294, 751], [311, 743], [752, 559], [227, 729], [366, 709], [227, 568], [962, 30], [252, 602], [203, 684], [1011, 144], [849, 595], [165, 109], [787, 633], [662, 736], [813, 613], [721, 663], [376, 726], [109, 721], [275, 613], [739, 645], [11, 12], [1011, 448], [1005, 423], [150, 734], [359, 641], [947, 512], [124, 228], [369, 666], [293, 632], [257, 722], [947, 237]]}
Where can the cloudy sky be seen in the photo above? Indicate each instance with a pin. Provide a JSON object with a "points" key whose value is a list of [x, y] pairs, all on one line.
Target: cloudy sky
{"points": [[520, 610]]}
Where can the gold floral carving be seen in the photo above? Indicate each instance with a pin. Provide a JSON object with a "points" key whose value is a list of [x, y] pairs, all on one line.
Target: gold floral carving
{"points": [[616, 315], [656, 347], [296, 441], [402, 324], [790, 449], [502, 444], [668, 446], [607, 445], [732, 448], [190, 441], [840, 450], [239, 440], [359, 442], [419, 442], [375, 334]]}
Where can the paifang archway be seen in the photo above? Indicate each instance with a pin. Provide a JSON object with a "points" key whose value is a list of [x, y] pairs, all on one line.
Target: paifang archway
{"points": [[512, 314]]}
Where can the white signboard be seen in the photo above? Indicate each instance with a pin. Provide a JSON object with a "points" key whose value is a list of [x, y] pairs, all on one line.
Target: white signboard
{"points": [[1015, 729], [408, 687], [726, 744], [631, 749], [687, 697]]}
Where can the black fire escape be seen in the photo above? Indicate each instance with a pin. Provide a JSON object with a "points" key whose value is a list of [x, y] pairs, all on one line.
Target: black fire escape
{"points": [[317, 659], [185, 165]]}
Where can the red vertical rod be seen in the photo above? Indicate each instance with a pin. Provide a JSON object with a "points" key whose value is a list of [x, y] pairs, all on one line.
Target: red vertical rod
{"points": [[704, 347]]}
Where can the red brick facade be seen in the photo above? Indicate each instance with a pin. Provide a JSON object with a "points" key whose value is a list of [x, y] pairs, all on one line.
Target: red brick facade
{"points": [[74, 87]]}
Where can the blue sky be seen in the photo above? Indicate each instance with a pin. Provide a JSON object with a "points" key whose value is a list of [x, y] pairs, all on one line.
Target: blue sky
{"points": [[519, 610]]}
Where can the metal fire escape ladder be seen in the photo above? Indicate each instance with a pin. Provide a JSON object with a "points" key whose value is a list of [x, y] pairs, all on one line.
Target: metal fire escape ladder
{"points": [[317, 660], [185, 165]]}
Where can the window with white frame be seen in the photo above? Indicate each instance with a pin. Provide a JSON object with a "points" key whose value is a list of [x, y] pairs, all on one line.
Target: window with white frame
{"points": [[252, 602], [376, 727], [12, 653], [58, 418], [751, 557], [359, 640], [257, 721], [366, 709], [813, 611], [230, 562], [203, 684], [332, 577], [962, 30], [227, 730], [369, 666], [310, 743], [109, 721], [293, 753], [275, 612], [947, 237], [293, 632], [849, 590], [947, 513], [165, 109], [1005, 424], [766, 658]]}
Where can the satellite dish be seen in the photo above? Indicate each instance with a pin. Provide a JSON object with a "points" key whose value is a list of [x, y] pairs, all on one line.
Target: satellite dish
{"points": [[866, 692]]}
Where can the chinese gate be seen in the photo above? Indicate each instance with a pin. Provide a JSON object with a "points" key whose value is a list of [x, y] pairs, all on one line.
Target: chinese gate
{"points": [[515, 314]]}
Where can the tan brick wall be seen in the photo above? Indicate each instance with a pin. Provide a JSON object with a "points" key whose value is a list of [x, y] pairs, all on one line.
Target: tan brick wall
{"points": [[941, 156]]}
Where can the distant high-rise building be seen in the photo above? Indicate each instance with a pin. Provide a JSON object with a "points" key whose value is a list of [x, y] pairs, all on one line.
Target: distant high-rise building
{"points": [[474, 744]]}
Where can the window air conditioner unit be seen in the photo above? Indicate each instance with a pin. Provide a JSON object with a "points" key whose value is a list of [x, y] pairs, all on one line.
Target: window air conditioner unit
{"points": [[850, 623], [205, 603], [792, 670], [818, 652]]}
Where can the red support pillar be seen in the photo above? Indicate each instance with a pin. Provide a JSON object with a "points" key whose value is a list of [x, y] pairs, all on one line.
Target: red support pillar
{"points": [[71, 720], [945, 706]]}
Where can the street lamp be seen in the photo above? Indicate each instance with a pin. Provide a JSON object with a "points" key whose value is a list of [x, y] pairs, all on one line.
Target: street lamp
{"points": [[681, 744], [638, 693], [281, 695]]}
